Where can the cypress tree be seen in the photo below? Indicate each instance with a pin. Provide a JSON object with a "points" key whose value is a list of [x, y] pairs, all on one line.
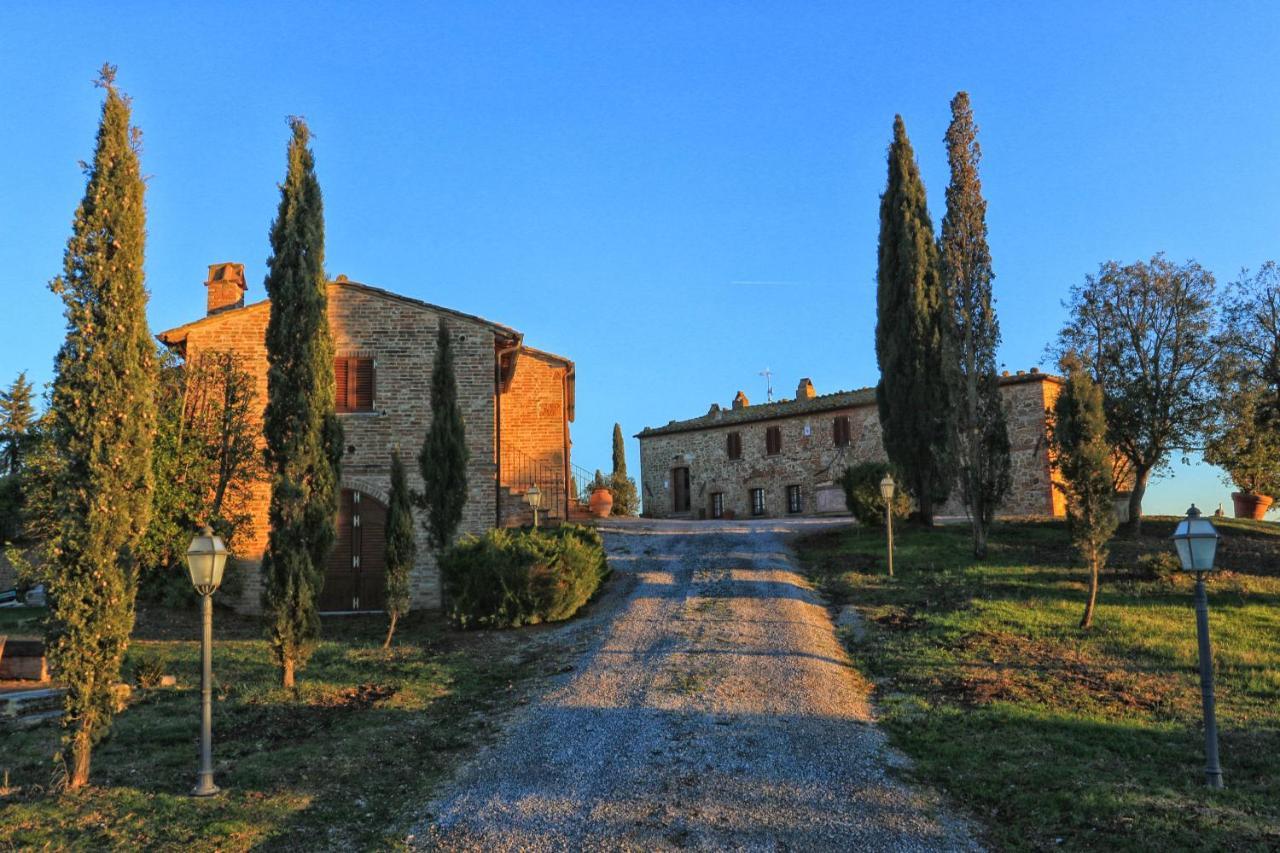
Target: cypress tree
{"points": [[913, 337], [303, 434], [1082, 457], [619, 453], [443, 459], [103, 421], [17, 416], [400, 546], [982, 450]]}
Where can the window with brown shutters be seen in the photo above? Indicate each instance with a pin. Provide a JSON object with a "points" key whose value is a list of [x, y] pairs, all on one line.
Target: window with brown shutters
{"points": [[843, 434], [773, 440], [353, 376], [734, 445]]}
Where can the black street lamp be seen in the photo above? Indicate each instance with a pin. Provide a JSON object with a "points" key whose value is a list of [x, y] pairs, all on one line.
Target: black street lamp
{"points": [[886, 492], [206, 558], [1197, 541]]}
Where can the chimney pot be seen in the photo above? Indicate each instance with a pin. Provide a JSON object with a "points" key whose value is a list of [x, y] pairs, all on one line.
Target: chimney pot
{"points": [[804, 391], [226, 288], [740, 401], [1035, 371]]}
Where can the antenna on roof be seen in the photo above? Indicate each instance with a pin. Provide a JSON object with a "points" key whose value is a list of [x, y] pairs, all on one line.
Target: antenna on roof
{"points": [[768, 381]]}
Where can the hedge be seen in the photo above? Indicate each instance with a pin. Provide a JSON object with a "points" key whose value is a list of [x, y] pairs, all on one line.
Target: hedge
{"points": [[512, 577]]}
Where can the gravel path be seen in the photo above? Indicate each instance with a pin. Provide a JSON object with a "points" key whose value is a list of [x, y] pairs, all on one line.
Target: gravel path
{"points": [[716, 709]]}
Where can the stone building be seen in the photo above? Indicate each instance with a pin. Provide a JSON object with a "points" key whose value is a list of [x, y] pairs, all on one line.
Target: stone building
{"points": [[517, 405], [786, 458]]}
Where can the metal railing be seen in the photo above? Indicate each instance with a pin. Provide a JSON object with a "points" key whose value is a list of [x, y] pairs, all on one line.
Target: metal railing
{"points": [[520, 471]]}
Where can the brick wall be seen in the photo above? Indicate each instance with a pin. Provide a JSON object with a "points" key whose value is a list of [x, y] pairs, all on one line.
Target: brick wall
{"points": [[401, 337], [533, 430], [810, 459]]}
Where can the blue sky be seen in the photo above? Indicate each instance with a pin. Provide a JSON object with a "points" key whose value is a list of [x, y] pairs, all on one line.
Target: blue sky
{"points": [[676, 195]]}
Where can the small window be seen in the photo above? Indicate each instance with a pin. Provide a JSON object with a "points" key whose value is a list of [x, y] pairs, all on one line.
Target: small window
{"points": [[717, 505], [840, 429], [773, 440], [794, 502], [353, 378], [734, 445], [757, 501]]}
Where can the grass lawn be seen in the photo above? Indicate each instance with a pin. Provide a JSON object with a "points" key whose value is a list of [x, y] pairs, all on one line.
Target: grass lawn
{"points": [[1057, 738], [346, 762]]}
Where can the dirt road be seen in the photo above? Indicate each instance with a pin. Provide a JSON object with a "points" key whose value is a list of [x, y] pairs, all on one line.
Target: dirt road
{"points": [[716, 710]]}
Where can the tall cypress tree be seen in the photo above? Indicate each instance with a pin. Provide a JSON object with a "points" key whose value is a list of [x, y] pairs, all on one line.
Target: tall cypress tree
{"points": [[982, 449], [400, 546], [626, 499], [619, 453], [443, 459], [102, 428], [913, 336], [304, 436]]}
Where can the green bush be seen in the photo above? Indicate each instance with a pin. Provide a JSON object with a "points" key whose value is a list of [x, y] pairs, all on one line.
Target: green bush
{"points": [[861, 484], [513, 577]]}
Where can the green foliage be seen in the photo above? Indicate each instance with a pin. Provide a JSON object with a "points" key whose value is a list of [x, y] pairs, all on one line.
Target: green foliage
{"points": [[861, 484], [206, 463], [982, 449], [1243, 434], [443, 459], [1082, 457], [17, 417], [914, 348], [401, 549], [509, 578], [303, 434], [103, 421], [626, 497], [1143, 331], [10, 508]]}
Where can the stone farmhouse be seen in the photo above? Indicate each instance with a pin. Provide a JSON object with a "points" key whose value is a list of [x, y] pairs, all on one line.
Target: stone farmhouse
{"points": [[517, 403], [785, 458]]}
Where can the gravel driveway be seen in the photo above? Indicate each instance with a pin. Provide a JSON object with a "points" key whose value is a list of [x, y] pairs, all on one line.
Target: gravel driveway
{"points": [[714, 709]]}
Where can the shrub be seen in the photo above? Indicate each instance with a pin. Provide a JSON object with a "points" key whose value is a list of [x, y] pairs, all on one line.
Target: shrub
{"points": [[509, 578], [148, 671], [1159, 566], [861, 485]]}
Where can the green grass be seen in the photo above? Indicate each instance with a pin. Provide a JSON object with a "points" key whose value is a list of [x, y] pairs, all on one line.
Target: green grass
{"points": [[345, 762], [1056, 738]]}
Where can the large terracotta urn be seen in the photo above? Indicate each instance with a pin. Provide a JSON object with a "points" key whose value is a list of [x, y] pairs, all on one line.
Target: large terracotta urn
{"points": [[601, 503], [1251, 506]]}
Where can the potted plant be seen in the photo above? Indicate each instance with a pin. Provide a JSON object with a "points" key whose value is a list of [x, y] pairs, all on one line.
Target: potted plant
{"points": [[1247, 447], [601, 502]]}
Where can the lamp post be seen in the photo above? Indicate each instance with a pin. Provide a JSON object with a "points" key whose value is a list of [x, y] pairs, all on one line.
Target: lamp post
{"points": [[206, 558], [886, 492], [533, 498], [1196, 541]]}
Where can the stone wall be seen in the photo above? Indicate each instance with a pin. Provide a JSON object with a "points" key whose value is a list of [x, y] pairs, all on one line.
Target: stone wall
{"points": [[401, 338], [810, 459]]}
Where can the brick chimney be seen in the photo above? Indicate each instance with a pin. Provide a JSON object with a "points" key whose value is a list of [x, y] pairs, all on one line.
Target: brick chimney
{"points": [[741, 401], [226, 287], [804, 391]]}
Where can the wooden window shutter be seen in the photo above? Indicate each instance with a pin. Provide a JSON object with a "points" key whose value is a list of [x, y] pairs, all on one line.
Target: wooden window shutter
{"points": [[360, 397], [340, 375], [735, 445]]}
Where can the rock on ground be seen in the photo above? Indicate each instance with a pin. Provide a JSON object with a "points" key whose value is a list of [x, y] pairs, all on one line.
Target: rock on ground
{"points": [[716, 710]]}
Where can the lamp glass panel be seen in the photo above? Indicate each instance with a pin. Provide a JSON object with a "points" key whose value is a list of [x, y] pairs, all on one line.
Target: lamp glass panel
{"points": [[1202, 549], [1184, 552], [886, 488]]}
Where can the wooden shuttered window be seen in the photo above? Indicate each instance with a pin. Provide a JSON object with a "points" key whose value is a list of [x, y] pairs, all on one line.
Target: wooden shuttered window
{"points": [[773, 440], [353, 376], [841, 431], [735, 445]]}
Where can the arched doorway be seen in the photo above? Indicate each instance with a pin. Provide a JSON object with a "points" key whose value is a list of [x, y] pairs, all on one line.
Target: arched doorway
{"points": [[356, 577]]}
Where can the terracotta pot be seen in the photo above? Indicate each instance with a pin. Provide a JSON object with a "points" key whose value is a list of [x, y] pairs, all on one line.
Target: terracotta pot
{"points": [[601, 503], [1251, 506]]}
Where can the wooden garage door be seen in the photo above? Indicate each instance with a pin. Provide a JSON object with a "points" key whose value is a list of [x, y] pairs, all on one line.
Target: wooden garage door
{"points": [[356, 579]]}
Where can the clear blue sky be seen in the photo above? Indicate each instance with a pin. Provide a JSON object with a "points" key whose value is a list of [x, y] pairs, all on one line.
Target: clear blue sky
{"points": [[676, 195]]}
